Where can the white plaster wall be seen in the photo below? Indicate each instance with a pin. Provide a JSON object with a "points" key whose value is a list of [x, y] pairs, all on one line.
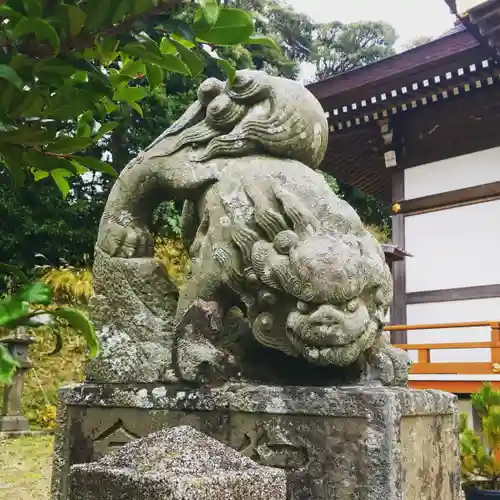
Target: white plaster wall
{"points": [[388, 316], [460, 172], [453, 248], [453, 312]]}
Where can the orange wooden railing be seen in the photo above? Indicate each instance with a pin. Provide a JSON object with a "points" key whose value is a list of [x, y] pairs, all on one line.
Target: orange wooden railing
{"points": [[424, 365]]}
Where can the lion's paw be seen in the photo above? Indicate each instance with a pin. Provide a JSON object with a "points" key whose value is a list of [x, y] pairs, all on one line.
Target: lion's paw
{"points": [[128, 241], [390, 365]]}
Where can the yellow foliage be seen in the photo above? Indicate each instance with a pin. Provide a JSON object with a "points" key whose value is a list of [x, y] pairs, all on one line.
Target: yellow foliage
{"points": [[70, 285], [46, 416], [173, 255], [380, 233]]}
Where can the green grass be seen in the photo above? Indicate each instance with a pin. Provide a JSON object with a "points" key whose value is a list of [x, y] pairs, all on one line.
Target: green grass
{"points": [[25, 468]]}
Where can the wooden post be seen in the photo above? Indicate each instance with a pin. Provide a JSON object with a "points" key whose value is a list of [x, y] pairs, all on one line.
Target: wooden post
{"points": [[495, 351], [424, 356]]}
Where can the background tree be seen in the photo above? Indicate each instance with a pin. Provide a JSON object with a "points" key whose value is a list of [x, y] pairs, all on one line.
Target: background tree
{"points": [[342, 47], [416, 42]]}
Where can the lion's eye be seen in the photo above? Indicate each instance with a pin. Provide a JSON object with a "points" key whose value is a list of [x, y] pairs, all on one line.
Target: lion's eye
{"points": [[352, 305], [303, 307]]}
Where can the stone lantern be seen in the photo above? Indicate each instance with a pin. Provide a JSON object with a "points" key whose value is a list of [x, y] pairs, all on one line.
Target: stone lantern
{"points": [[11, 418]]}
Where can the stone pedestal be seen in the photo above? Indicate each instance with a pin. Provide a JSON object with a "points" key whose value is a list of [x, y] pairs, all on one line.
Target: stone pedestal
{"points": [[352, 443]]}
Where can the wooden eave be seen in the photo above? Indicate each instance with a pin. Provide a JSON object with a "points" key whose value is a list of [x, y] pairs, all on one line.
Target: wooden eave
{"points": [[393, 253], [483, 21]]}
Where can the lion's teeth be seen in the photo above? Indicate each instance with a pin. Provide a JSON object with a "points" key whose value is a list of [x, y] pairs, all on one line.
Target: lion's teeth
{"points": [[313, 353]]}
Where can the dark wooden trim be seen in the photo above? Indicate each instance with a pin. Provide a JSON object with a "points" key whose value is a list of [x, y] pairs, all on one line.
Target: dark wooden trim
{"points": [[458, 197], [447, 53], [398, 307], [451, 294]]}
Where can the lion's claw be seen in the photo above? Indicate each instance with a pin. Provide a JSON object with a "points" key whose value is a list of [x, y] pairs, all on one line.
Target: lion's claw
{"points": [[126, 242], [389, 364]]}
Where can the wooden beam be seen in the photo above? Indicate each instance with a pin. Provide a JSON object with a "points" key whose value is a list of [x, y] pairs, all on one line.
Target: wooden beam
{"points": [[398, 307], [452, 294], [458, 197], [481, 368]]}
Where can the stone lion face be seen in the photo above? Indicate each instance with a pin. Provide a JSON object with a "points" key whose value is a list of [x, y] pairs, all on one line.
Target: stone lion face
{"points": [[342, 288]]}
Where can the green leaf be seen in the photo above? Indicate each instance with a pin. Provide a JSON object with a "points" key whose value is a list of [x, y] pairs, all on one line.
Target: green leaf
{"points": [[155, 75], [79, 169], [17, 171], [42, 31], [14, 270], [12, 309], [7, 73], [97, 165], [33, 8], [167, 47], [59, 342], [12, 156], [26, 136], [105, 128], [9, 13], [131, 68], [96, 11], [180, 28], [233, 26], [32, 104], [8, 365], [139, 51], [141, 6], [120, 9], [130, 94], [148, 43], [174, 64], [38, 175], [37, 293], [46, 162], [81, 324], [137, 108], [66, 144], [228, 69], [262, 40], [107, 49], [75, 19], [85, 124], [210, 9], [179, 39], [59, 175], [194, 63]]}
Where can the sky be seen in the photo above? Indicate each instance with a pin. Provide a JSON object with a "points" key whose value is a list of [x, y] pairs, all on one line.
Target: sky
{"points": [[410, 18]]}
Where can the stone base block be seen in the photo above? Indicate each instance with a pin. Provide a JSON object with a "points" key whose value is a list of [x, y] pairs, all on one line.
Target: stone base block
{"points": [[13, 423], [347, 443], [176, 464]]}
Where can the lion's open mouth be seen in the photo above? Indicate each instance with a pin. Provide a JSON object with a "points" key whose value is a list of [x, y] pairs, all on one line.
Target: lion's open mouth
{"points": [[320, 354], [337, 339]]}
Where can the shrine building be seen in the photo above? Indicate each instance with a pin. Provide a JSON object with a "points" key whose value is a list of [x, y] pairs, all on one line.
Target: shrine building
{"points": [[421, 131]]}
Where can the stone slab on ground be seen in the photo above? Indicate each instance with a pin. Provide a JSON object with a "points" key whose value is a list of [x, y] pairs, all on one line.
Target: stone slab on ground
{"points": [[176, 464], [334, 443]]}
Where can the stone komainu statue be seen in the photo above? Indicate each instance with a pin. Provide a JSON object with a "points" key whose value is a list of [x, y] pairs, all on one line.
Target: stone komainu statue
{"points": [[268, 239]]}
